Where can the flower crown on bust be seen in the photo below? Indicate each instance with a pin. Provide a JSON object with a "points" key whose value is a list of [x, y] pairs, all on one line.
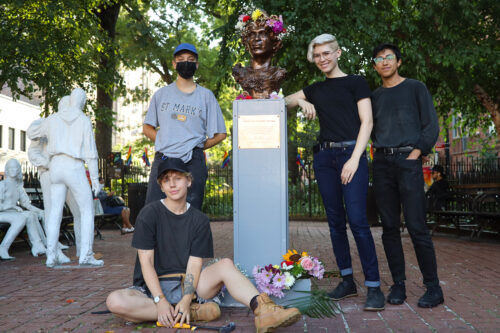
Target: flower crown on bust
{"points": [[260, 17]]}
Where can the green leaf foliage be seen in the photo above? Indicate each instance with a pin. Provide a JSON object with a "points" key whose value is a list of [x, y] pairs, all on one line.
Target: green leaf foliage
{"points": [[315, 304]]}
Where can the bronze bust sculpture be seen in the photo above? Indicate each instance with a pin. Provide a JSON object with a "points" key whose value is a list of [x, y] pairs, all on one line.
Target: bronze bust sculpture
{"points": [[260, 35]]}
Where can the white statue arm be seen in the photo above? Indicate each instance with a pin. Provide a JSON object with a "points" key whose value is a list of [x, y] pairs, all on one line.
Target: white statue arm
{"points": [[91, 156], [36, 130], [94, 174], [25, 202]]}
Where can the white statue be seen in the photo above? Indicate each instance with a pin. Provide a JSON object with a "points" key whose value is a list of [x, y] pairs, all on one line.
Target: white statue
{"points": [[12, 193], [38, 156], [70, 143]]}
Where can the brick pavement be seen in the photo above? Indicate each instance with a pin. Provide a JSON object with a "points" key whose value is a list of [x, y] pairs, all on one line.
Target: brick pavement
{"points": [[34, 298]]}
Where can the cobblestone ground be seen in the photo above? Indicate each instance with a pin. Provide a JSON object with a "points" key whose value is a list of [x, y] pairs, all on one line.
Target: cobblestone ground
{"points": [[34, 298]]}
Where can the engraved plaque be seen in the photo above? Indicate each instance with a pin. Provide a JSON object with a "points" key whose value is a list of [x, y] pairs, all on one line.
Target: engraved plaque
{"points": [[259, 132]]}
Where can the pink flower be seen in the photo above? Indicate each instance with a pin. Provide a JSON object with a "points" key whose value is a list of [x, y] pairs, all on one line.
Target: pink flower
{"points": [[279, 280], [307, 263]]}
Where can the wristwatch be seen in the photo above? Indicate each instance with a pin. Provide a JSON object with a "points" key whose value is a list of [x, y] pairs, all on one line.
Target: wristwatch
{"points": [[157, 299]]}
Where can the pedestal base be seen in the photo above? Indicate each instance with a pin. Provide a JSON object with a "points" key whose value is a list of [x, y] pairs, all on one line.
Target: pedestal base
{"points": [[301, 285]]}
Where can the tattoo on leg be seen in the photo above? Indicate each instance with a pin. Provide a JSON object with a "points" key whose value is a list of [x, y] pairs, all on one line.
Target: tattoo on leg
{"points": [[188, 284]]}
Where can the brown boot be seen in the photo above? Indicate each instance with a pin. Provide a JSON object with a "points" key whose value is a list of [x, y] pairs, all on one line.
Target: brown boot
{"points": [[204, 312], [269, 316]]}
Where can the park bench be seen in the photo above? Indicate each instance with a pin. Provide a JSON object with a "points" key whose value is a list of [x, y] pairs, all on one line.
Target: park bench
{"points": [[468, 208]]}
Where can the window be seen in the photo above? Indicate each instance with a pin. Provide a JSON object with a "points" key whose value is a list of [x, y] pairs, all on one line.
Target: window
{"points": [[12, 142], [456, 130], [23, 141]]}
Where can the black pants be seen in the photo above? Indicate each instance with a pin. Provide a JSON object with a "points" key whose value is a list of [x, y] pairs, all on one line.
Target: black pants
{"points": [[198, 168], [398, 181]]}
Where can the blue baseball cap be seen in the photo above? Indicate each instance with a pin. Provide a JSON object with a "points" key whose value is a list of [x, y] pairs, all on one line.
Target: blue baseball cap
{"points": [[185, 47]]}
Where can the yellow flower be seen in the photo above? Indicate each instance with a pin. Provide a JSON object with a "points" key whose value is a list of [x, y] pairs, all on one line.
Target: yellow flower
{"points": [[276, 266], [292, 255], [256, 14]]}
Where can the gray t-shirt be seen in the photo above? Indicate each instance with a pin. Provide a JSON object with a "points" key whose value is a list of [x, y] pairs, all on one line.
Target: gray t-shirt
{"points": [[185, 121]]}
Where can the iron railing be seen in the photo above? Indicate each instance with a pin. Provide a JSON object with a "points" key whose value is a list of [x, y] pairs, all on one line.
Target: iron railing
{"points": [[303, 194]]}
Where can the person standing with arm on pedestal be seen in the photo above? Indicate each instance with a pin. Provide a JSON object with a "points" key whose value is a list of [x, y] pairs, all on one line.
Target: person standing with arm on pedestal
{"points": [[183, 119], [343, 105], [405, 129]]}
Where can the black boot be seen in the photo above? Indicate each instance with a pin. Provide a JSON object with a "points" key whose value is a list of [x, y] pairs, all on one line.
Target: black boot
{"points": [[432, 297], [375, 300], [345, 288], [398, 293]]}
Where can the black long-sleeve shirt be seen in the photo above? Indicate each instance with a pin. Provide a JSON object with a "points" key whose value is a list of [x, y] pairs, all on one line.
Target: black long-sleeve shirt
{"points": [[404, 115]]}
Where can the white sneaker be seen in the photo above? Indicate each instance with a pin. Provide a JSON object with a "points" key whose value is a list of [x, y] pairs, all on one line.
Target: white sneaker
{"points": [[4, 254], [62, 246], [38, 249], [62, 258], [91, 261]]}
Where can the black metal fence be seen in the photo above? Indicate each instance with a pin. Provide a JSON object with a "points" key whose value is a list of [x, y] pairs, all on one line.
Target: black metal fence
{"points": [[303, 195], [473, 170]]}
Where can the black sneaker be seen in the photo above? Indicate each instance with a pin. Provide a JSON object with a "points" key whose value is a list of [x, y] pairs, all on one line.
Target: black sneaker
{"points": [[345, 288], [432, 297], [398, 293], [375, 300]]}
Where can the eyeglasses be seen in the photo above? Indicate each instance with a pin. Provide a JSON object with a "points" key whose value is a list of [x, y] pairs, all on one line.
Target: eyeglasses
{"points": [[326, 55], [389, 57]]}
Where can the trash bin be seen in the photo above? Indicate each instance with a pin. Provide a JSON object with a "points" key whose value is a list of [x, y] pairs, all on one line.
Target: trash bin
{"points": [[136, 199]]}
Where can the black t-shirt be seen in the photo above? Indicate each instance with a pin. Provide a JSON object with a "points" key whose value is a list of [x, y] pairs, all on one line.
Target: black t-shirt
{"points": [[335, 101], [404, 115], [172, 237]]}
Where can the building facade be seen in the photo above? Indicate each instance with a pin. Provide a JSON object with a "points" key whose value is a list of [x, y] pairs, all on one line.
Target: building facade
{"points": [[15, 118]]}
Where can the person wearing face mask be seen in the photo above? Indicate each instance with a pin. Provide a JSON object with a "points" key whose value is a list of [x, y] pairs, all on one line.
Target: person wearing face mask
{"points": [[183, 119]]}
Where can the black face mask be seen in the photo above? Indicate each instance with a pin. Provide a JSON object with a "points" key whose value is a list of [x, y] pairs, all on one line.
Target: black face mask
{"points": [[186, 69]]}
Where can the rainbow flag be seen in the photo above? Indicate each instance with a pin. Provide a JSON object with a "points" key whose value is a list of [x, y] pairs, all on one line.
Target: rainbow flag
{"points": [[225, 160], [129, 156], [145, 157], [299, 161], [371, 151], [427, 175]]}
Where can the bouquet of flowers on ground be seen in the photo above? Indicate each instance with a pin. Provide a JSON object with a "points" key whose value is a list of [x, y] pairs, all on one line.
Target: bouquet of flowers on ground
{"points": [[273, 279]]}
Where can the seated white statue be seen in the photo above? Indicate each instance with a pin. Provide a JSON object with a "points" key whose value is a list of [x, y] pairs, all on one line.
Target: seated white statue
{"points": [[70, 143], [12, 193]]}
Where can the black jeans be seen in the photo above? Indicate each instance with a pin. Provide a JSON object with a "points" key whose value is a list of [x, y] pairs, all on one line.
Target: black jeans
{"points": [[198, 169], [398, 181]]}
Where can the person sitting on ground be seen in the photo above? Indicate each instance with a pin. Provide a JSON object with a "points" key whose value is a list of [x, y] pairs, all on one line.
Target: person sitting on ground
{"points": [[173, 237], [436, 194], [109, 208]]}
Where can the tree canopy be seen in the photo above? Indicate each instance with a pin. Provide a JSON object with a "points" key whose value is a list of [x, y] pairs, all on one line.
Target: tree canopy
{"points": [[51, 46]]}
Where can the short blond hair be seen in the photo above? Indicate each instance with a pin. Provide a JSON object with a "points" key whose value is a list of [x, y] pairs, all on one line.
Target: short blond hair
{"points": [[167, 173], [320, 40]]}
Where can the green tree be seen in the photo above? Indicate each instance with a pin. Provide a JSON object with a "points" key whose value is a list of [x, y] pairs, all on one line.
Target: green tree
{"points": [[47, 47], [450, 45]]}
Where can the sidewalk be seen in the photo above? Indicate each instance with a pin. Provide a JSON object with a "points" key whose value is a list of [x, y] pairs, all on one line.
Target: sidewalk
{"points": [[34, 298]]}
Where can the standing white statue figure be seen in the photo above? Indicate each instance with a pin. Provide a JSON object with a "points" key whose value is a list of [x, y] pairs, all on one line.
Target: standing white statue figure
{"points": [[39, 157], [70, 143], [12, 192]]}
